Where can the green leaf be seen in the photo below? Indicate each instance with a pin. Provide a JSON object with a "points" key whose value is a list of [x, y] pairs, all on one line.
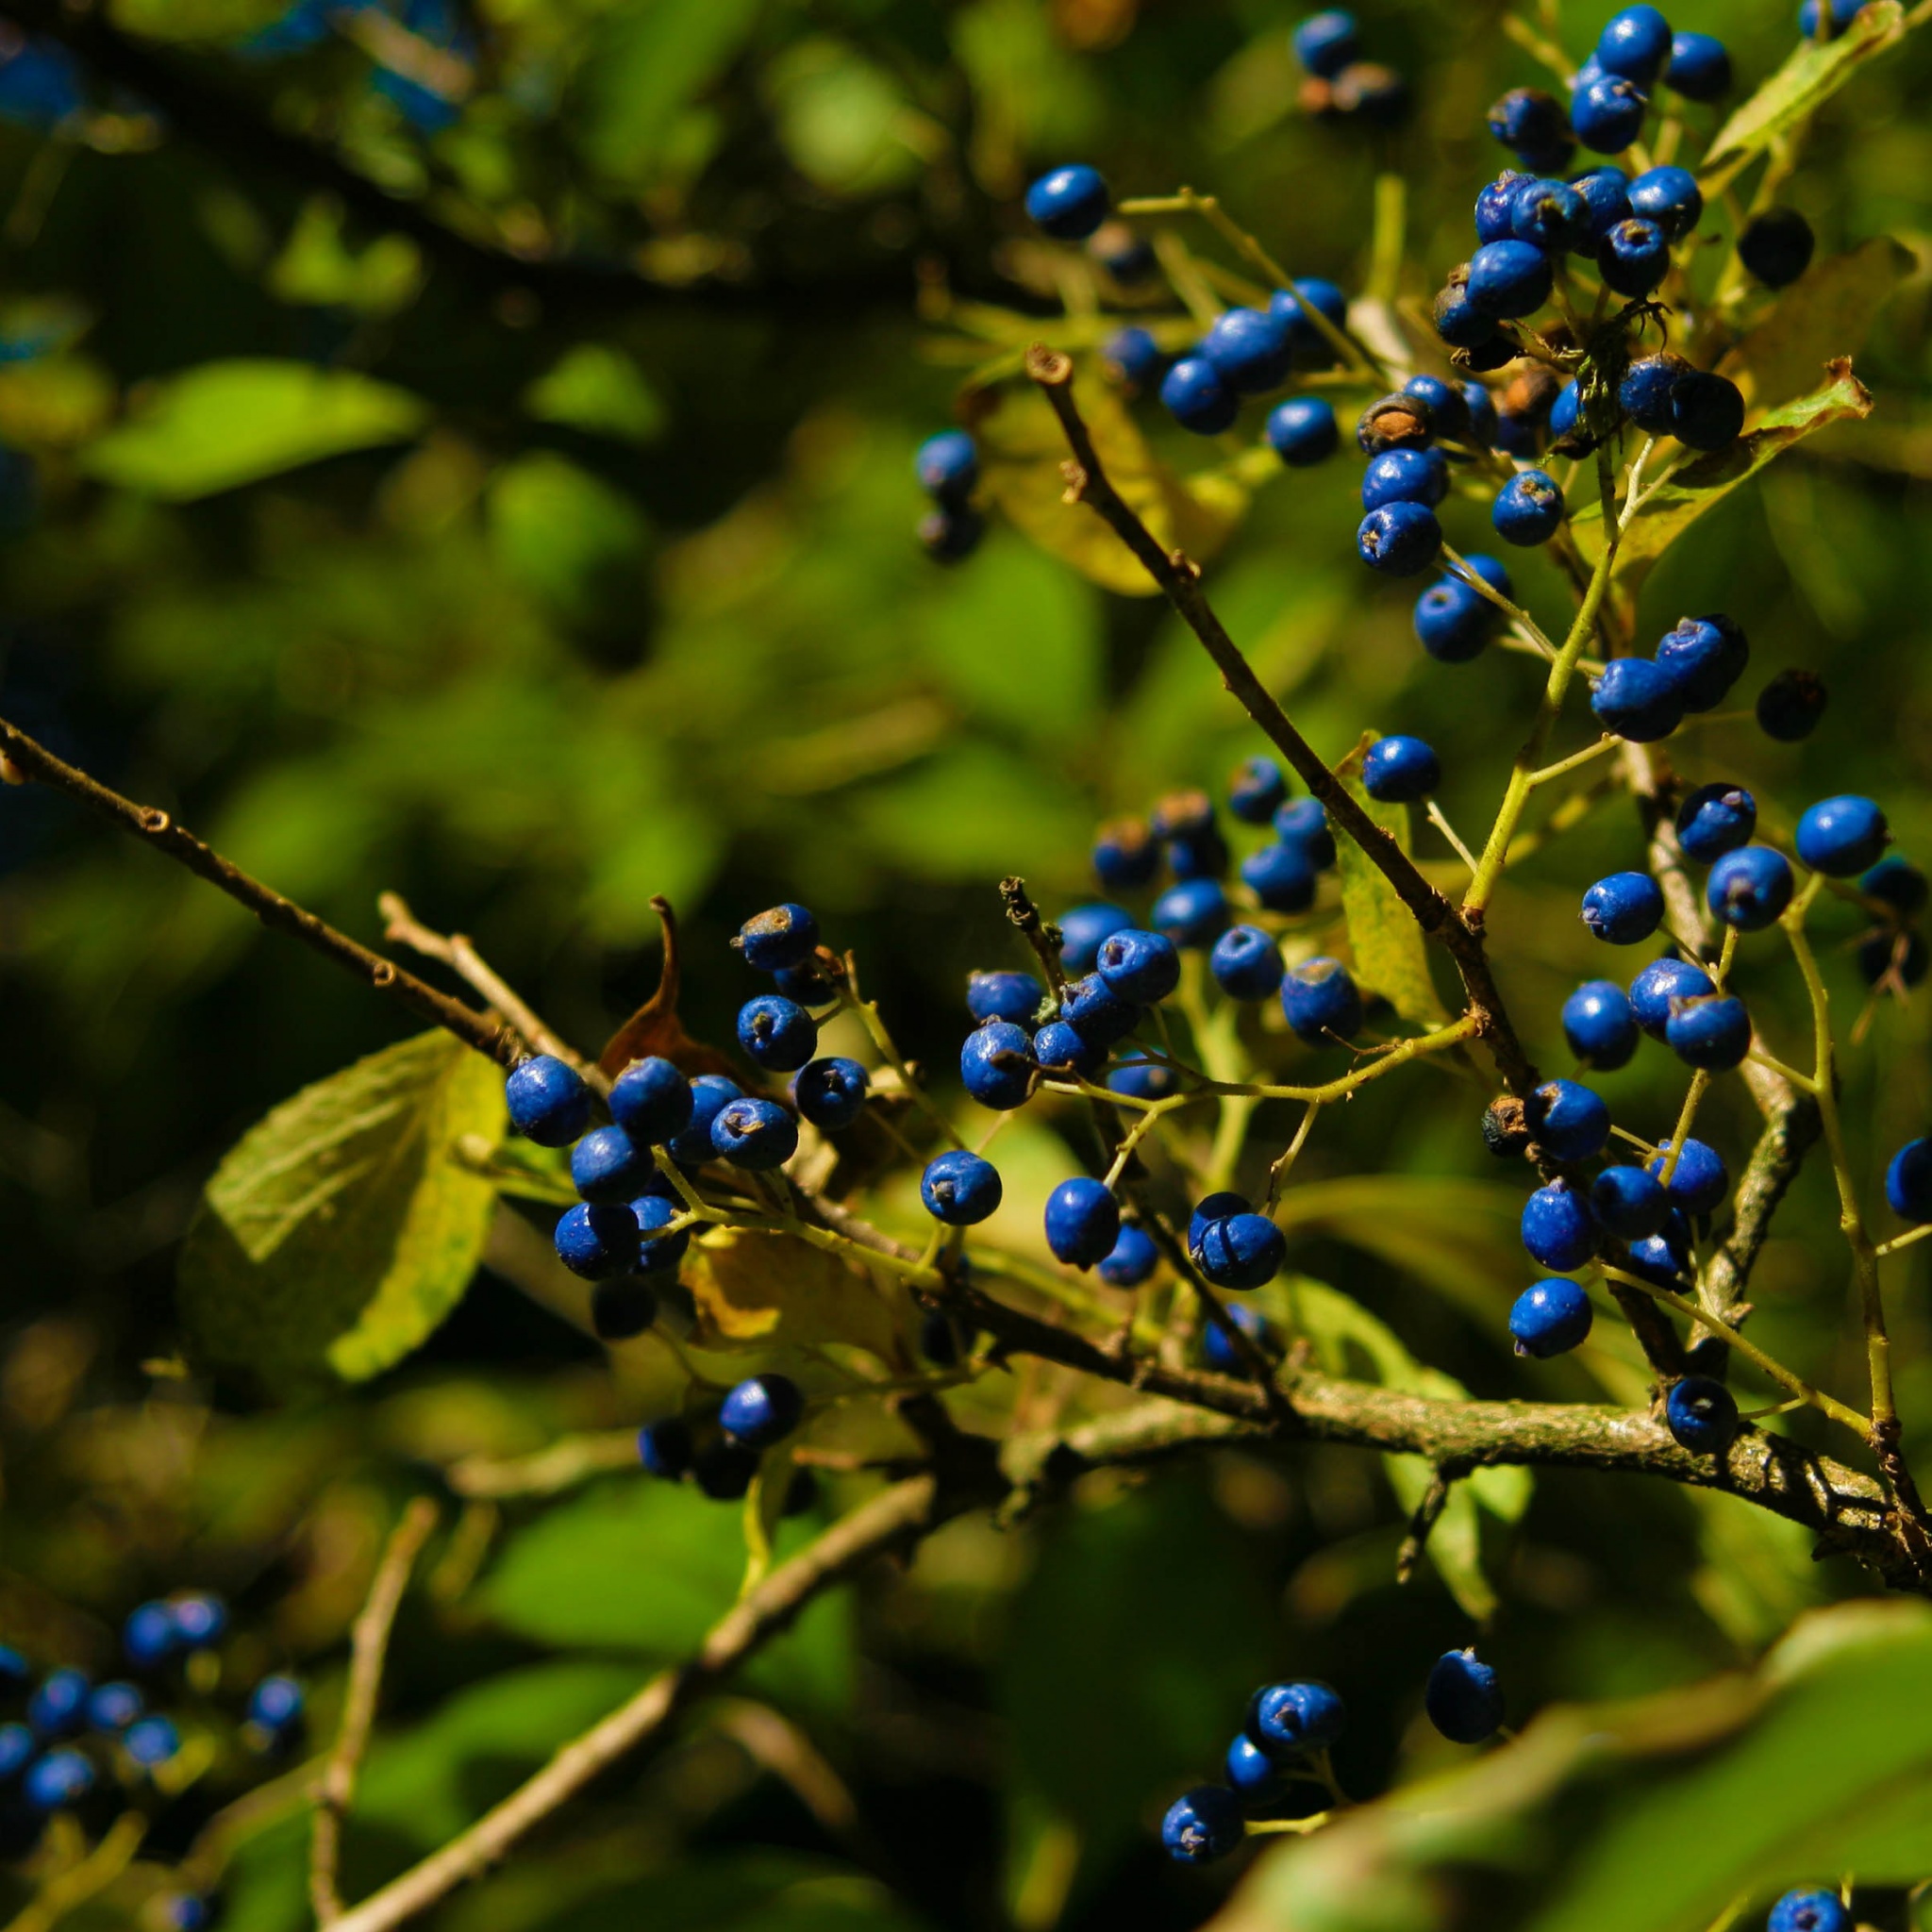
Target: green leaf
{"points": [[339, 1233], [1705, 481], [568, 537], [599, 389], [227, 424], [1827, 313], [1808, 80], [1390, 955], [846, 122]]}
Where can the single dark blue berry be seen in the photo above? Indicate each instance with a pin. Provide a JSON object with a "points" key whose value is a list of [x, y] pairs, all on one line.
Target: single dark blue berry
{"points": [[710, 1094], [1219, 1353], [1644, 393], [1841, 835], [1249, 349], [1326, 43], [783, 937], [1519, 433], [201, 1618], [761, 1410], [997, 1066], [1551, 1318], [724, 1470], [1623, 909], [1635, 43], [947, 466], [1809, 1911], [1481, 406], [548, 1102], [1246, 963], [598, 1239], [1141, 1079], [1716, 818], [1700, 68], [1569, 1120], [810, 985], [961, 1188], [1257, 791], [1141, 968], [660, 1252], [1127, 257], [1447, 404], [651, 1101], [149, 1634], [1463, 1698], [1599, 1024], [1658, 984], [1509, 278], [1704, 657], [1494, 216], [1068, 202], [1908, 1182], [1749, 888], [1528, 509], [1205, 1825], [1706, 410], [1401, 540], [1607, 112], [1454, 622], [1132, 1259], [1701, 1414], [1015, 997], [666, 1449], [1252, 1776], [1550, 215], [1633, 256], [1291, 1720], [608, 1165], [1321, 1003], [59, 1778], [1193, 914], [755, 1134], [1663, 1258], [1310, 296], [14, 1668], [1459, 322], [1606, 193], [1065, 1053], [18, 1745], [830, 1092], [947, 536], [1083, 928], [1559, 1228], [1304, 823], [1302, 432], [1281, 876], [189, 1911], [1637, 699], [151, 1741], [1210, 1208], [1241, 1251], [58, 1706], [1196, 395], [1134, 355], [1699, 1181], [776, 1033], [1400, 771], [1897, 883], [1082, 1221], [1776, 247], [275, 1702], [1406, 476], [1669, 197], [1095, 1012], [1531, 122], [1712, 1033], [622, 1309], [1789, 707], [1630, 1202], [1201, 855], [113, 1707], [1826, 19], [1564, 410]]}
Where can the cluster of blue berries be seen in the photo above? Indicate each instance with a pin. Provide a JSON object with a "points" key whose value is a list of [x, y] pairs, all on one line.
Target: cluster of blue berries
{"points": [[1339, 84], [947, 466], [1285, 1739], [720, 1447]]}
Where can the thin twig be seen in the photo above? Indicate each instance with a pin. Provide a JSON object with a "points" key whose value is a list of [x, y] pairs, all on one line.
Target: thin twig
{"points": [[67, 1891], [1428, 1513], [403, 928]]}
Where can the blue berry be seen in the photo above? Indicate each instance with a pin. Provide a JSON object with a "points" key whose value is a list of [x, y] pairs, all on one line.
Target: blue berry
{"points": [[1670, 197], [1015, 997], [1749, 888], [1700, 67], [1321, 1003], [1494, 216], [1700, 1179], [1565, 411], [1809, 1911], [1599, 1024], [1559, 1228], [1281, 876], [1291, 1720], [1083, 928], [1606, 193], [58, 1704], [1623, 909], [1141, 1079], [1637, 699], [1132, 1259], [1827, 19], [1406, 476], [710, 1094], [666, 1449], [1908, 1182], [1459, 322], [1257, 791], [1481, 406], [1401, 540], [1241, 1251], [1704, 657], [1082, 1221], [830, 1092], [200, 1616], [1210, 1208], [1519, 433], [548, 1102], [1453, 621], [1065, 1053], [651, 1101], [996, 1065], [724, 1470], [1096, 1012], [1789, 707], [1304, 823], [1193, 914], [1246, 963], [275, 1702], [1549, 215], [152, 1741], [598, 1239], [187, 1911], [1201, 855], [949, 535], [1897, 883], [961, 1188], [1551, 1318], [1713, 1033], [1463, 1698], [1607, 112], [1569, 1119], [1068, 202], [59, 1778], [15, 1669], [755, 1134], [1254, 1777], [1776, 245], [1701, 1414], [785, 935], [1302, 432], [761, 1410], [1311, 295], [18, 1745], [1633, 256], [1841, 836], [776, 1033], [1134, 355], [1400, 771], [1532, 123], [1249, 349], [810, 985], [1659, 983], [149, 1634], [1664, 1259], [1706, 410], [1205, 1825], [115, 1707], [1326, 43], [1509, 278], [659, 1251], [947, 466], [1142, 968], [1635, 43], [1196, 397], [1630, 1202], [1528, 509], [1128, 257], [608, 1165], [1644, 393], [1714, 820], [1446, 403], [1219, 1353]]}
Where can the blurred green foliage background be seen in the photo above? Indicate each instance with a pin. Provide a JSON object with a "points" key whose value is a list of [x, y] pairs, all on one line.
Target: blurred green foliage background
{"points": [[550, 547]]}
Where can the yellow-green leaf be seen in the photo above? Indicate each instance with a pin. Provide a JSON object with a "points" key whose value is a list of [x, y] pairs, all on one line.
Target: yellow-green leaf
{"points": [[1390, 955], [757, 1291], [1829, 313], [340, 1230]]}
